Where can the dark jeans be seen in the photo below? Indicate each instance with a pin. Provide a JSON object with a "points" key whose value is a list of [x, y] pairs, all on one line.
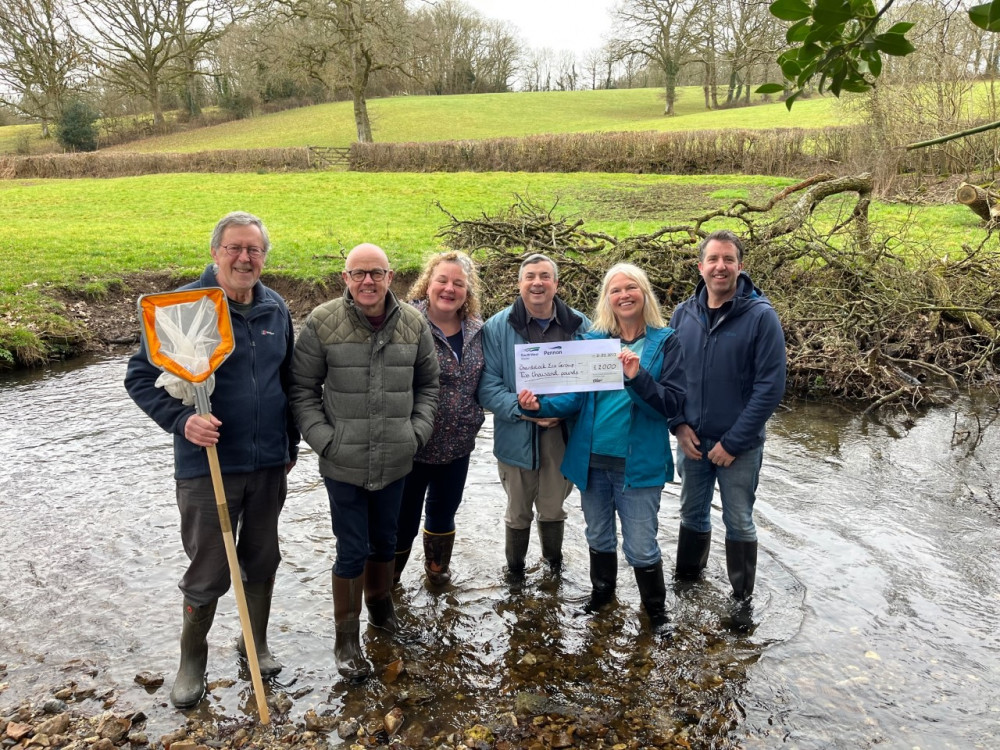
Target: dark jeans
{"points": [[443, 485], [254, 499], [364, 524]]}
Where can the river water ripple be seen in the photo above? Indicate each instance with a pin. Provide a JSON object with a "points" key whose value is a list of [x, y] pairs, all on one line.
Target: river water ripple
{"points": [[877, 597]]}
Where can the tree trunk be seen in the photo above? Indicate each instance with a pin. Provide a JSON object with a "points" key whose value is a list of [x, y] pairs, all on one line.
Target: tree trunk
{"points": [[361, 120], [154, 102], [670, 91], [978, 200]]}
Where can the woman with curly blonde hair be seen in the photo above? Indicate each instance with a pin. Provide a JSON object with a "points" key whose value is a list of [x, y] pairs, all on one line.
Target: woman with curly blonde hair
{"points": [[447, 293]]}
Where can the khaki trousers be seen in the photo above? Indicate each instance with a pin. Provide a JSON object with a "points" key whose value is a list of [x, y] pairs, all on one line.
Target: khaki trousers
{"points": [[543, 489]]}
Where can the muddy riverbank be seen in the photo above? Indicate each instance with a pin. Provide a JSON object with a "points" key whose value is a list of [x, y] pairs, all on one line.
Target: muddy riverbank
{"points": [[109, 323]]}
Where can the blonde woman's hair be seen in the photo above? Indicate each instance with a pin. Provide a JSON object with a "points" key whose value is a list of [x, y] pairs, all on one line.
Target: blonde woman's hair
{"points": [[419, 289], [604, 317]]}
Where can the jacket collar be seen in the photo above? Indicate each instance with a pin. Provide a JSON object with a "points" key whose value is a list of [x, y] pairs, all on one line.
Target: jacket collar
{"points": [[564, 316]]}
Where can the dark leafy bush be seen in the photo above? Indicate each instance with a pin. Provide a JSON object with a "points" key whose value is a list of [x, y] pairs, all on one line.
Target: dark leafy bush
{"points": [[76, 129]]}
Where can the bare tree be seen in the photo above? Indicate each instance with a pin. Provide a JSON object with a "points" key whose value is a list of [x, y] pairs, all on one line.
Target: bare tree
{"points": [[141, 46], [537, 70], [499, 58], [752, 39], [593, 67], [566, 76], [664, 32], [40, 58], [368, 35]]}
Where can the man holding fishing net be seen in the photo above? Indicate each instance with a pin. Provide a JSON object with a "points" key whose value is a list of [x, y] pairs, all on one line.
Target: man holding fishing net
{"points": [[251, 427]]}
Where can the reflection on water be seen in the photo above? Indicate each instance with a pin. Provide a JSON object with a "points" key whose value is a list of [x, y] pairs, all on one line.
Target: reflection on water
{"points": [[877, 589]]}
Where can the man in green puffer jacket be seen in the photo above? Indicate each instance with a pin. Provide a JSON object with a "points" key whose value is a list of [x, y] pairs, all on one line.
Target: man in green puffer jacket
{"points": [[364, 394]]}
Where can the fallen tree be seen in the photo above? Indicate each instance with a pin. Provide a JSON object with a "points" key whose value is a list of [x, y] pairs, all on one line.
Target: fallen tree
{"points": [[861, 321]]}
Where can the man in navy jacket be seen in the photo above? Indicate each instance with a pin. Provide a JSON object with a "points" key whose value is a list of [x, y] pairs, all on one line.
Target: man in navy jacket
{"points": [[734, 357], [251, 425]]}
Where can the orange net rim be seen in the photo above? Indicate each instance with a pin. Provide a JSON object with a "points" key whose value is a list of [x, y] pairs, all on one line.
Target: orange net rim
{"points": [[148, 305]]}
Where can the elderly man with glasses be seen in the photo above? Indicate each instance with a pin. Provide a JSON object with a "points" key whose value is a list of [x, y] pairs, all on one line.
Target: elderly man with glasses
{"points": [[252, 427], [364, 393]]}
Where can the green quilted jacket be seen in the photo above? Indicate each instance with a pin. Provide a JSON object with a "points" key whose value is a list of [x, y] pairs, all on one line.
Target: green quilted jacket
{"points": [[363, 399]]}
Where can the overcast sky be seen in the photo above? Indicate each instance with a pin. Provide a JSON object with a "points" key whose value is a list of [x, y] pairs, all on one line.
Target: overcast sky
{"points": [[577, 25]]}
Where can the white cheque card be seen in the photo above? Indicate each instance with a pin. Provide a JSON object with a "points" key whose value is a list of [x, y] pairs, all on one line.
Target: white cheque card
{"points": [[569, 366]]}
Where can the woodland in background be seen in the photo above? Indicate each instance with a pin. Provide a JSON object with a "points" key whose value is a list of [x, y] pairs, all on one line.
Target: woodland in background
{"points": [[862, 322]]}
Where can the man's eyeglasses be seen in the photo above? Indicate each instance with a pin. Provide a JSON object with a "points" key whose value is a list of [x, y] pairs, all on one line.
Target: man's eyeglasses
{"points": [[235, 251], [358, 274]]}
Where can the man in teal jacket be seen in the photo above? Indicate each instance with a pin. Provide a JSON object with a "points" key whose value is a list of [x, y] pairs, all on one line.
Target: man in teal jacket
{"points": [[528, 450]]}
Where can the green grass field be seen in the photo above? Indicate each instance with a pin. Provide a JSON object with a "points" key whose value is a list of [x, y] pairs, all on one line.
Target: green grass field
{"points": [[84, 234], [434, 118], [70, 231]]}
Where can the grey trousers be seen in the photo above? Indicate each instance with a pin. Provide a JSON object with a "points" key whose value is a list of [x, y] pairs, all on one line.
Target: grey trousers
{"points": [[255, 500]]}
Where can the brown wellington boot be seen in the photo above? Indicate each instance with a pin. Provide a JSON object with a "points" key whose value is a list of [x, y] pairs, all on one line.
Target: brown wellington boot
{"points": [[402, 556], [437, 551], [378, 595], [351, 662]]}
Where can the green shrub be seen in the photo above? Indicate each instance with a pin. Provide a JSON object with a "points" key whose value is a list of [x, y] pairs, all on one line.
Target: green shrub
{"points": [[76, 129]]}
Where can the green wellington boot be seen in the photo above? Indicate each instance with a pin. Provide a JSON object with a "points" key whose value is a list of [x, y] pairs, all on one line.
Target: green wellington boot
{"points": [[189, 684], [259, 607]]}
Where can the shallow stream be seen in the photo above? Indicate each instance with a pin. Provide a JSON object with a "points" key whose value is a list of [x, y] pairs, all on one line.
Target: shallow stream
{"points": [[877, 598]]}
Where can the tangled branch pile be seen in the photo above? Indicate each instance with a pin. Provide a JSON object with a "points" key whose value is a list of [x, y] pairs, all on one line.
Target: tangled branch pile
{"points": [[861, 322]]}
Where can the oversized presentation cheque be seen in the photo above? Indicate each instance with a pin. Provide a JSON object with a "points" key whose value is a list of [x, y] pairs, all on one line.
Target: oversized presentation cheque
{"points": [[569, 366]]}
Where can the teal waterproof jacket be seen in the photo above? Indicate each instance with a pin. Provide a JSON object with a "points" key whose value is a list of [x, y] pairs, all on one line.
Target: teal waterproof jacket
{"points": [[655, 401], [515, 440]]}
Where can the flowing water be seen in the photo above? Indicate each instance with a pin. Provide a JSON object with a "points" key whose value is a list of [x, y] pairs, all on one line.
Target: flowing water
{"points": [[876, 608]]}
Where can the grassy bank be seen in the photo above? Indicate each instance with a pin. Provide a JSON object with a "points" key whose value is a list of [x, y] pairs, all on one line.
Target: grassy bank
{"points": [[86, 234]]}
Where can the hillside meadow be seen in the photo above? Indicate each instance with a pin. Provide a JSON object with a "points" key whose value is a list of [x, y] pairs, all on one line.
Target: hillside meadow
{"points": [[82, 236], [476, 116]]}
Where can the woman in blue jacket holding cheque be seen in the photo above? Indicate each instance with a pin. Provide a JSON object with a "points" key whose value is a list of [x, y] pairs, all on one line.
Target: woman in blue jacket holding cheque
{"points": [[618, 453]]}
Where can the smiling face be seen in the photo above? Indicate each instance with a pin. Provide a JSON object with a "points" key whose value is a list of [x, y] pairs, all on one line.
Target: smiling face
{"points": [[368, 294], [720, 268], [627, 301], [237, 274], [447, 290], [538, 287]]}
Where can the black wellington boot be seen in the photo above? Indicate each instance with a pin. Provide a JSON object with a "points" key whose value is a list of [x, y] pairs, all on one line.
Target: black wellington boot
{"points": [[351, 662], [258, 597], [741, 564], [692, 553], [516, 550], [603, 579], [402, 556], [437, 554], [189, 684], [653, 593], [550, 535]]}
